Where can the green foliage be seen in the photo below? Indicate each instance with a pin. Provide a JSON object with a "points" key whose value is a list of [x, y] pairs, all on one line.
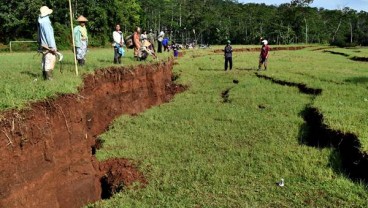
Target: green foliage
{"points": [[205, 21]]}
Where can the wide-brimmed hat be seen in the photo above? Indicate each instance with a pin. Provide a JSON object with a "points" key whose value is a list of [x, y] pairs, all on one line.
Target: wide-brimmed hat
{"points": [[82, 19], [44, 11]]}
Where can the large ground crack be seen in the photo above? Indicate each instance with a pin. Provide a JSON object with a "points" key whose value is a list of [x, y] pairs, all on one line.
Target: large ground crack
{"points": [[302, 87], [354, 58], [353, 161], [46, 150]]}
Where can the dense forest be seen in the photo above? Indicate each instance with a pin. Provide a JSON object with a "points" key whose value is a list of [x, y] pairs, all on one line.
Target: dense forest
{"points": [[206, 21]]}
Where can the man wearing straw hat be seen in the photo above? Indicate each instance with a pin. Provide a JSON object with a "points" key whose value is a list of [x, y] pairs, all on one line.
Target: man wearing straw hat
{"points": [[46, 42], [81, 40]]}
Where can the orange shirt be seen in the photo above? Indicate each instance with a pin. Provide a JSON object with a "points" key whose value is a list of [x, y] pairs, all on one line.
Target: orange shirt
{"points": [[136, 40]]}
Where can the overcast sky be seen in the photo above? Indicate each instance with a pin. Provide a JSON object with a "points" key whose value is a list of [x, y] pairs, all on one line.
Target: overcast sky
{"points": [[327, 4]]}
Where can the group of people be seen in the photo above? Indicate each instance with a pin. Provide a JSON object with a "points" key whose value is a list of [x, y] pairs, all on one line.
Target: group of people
{"points": [[47, 44], [142, 43], [263, 57]]}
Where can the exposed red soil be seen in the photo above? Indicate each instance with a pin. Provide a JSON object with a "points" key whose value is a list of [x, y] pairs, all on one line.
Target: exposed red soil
{"points": [[288, 48], [323, 48], [46, 150], [119, 174]]}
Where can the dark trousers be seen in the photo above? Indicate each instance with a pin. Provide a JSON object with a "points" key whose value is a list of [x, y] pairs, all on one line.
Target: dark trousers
{"points": [[159, 47], [228, 60], [117, 56]]}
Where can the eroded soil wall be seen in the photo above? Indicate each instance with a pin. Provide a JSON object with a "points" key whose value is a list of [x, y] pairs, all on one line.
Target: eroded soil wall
{"points": [[45, 151]]}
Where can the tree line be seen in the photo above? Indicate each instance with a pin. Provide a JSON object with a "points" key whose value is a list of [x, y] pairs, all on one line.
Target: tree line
{"points": [[204, 21]]}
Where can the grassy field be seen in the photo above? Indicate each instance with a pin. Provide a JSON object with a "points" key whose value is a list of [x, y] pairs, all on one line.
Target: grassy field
{"points": [[21, 77], [198, 151]]}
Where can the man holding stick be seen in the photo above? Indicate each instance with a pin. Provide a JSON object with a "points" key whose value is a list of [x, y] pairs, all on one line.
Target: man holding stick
{"points": [[47, 43]]}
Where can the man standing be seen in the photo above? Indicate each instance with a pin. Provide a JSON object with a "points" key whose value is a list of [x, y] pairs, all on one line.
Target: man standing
{"points": [[118, 44], [263, 57], [81, 40], [151, 39], [137, 43], [46, 42], [159, 40], [165, 43], [228, 55]]}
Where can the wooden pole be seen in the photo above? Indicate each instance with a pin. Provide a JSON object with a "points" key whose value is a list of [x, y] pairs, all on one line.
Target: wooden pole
{"points": [[71, 26]]}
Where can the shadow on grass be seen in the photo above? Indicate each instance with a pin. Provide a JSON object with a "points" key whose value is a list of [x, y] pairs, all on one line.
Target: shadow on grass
{"points": [[210, 69], [346, 158], [105, 61], [31, 74], [246, 69], [357, 80]]}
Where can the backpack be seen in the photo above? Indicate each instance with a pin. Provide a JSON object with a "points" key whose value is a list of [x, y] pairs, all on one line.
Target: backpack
{"points": [[129, 41]]}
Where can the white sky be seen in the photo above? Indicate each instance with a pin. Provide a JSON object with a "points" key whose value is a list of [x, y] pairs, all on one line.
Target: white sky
{"points": [[327, 4]]}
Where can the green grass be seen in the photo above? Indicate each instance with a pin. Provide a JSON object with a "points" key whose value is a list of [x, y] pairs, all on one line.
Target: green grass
{"points": [[344, 82], [21, 79], [197, 151]]}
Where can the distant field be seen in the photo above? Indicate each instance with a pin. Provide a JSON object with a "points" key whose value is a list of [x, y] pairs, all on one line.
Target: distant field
{"points": [[207, 150]]}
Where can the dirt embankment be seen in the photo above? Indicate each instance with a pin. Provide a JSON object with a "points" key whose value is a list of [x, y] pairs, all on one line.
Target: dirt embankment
{"points": [[46, 151], [288, 48]]}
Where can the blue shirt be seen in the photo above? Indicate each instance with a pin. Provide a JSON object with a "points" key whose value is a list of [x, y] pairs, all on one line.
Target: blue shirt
{"points": [[165, 42], [46, 32]]}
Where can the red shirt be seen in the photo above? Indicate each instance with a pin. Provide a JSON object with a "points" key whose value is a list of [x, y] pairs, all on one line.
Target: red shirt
{"points": [[264, 51]]}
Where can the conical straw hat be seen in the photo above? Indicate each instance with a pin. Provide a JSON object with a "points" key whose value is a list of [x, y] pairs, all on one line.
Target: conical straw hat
{"points": [[82, 19]]}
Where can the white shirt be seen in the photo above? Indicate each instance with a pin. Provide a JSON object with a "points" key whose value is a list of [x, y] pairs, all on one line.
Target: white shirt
{"points": [[161, 36], [118, 37]]}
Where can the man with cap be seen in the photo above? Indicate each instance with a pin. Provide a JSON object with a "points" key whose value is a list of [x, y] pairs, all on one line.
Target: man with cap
{"points": [[46, 41], [81, 40], [228, 55], [264, 55]]}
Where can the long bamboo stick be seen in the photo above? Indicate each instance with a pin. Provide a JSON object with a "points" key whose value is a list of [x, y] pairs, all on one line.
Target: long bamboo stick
{"points": [[71, 26]]}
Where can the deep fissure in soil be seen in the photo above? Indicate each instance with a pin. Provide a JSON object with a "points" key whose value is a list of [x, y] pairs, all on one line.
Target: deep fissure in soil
{"points": [[302, 87], [355, 58], [46, 150], [354, 162]]}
